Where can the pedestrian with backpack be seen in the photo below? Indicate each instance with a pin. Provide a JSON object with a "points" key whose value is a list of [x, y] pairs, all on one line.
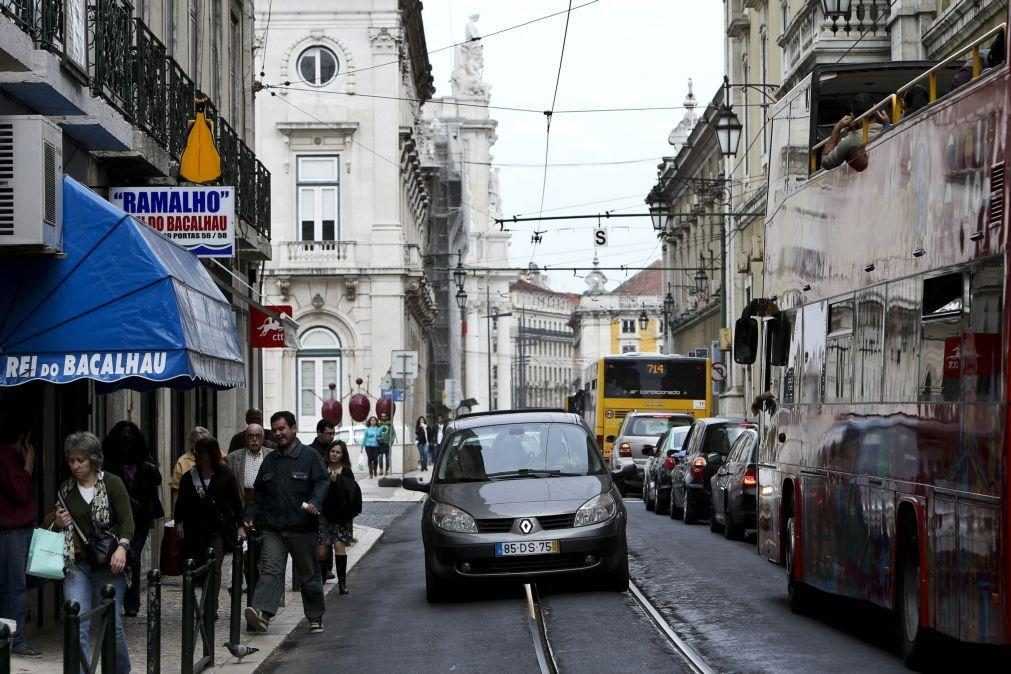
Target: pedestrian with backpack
{"points": [[342, 503]]}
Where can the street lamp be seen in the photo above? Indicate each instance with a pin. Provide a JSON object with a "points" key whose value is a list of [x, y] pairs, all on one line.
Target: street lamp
{"points": [[700, 280], [460, 274], [657, 214], [643, 319], [728, 130], [668, 312], [461, 300], [835, 8]]}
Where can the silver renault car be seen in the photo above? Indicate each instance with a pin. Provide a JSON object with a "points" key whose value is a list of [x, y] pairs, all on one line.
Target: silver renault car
{"points": [[519, 496]]}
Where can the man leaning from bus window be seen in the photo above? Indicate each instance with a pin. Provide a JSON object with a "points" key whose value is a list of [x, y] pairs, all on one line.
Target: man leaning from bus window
{"points": [[846, 144]]}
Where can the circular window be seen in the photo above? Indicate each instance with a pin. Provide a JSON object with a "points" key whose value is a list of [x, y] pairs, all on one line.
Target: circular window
{"points": [[317, 66]]}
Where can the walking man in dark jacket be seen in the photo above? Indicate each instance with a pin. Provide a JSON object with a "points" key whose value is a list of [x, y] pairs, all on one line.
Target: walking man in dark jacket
{"points": [[287, 496]]}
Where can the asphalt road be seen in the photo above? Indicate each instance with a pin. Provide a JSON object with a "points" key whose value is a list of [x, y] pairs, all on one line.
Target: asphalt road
{"points": [[718, 595]]}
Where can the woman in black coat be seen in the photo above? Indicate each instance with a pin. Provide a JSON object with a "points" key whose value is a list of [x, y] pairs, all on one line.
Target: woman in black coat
{"points": [[127, 457], [338, 511], [209, 508]]}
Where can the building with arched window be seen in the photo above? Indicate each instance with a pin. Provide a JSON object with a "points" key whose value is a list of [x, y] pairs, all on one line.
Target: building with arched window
{"points": [[350, 203]]}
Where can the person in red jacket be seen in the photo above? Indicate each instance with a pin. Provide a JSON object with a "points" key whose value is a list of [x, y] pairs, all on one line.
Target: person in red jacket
{"points": [[17, 521]]}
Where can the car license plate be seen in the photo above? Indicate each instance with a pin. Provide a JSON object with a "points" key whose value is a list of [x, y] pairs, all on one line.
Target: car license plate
{"points": [[526, 548]]}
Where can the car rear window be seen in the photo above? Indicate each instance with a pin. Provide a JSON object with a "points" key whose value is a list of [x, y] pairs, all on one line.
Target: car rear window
{"points": [[654, 425], [721, 438], [517, 450]]}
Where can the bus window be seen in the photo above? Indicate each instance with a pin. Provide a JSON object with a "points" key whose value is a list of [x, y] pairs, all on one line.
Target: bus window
{"points": [[981, 346], [660, 378], [902, 340], [868, 338], [839, 352], [814, 353], [941, 338]]}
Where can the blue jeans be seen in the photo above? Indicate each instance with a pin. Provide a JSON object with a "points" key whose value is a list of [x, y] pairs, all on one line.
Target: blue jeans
{"points": [[83, 586], [423, 453], [14, 544]]}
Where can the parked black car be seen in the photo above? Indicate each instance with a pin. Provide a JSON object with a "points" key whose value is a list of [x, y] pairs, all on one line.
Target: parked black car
{"points": [[706, 448], [734, 488], [656, 484]]}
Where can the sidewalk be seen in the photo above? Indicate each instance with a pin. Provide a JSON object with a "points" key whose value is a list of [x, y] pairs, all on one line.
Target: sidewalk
{"points": [[286, 621]]}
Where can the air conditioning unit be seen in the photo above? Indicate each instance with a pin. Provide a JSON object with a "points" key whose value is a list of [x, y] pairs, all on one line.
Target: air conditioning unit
{"points": [[758, 247], [31, 185], [743, 262]]}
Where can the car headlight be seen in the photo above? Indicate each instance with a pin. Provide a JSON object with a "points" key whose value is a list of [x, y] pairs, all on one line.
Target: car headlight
{"points": [[452, 518], [598, 509]]}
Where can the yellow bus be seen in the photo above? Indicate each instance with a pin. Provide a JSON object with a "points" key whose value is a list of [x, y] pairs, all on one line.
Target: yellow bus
{"points": [[613, 386]]}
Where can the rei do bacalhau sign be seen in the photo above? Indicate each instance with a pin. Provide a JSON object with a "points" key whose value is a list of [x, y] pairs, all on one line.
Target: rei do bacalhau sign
{"points": [[200, 219]]}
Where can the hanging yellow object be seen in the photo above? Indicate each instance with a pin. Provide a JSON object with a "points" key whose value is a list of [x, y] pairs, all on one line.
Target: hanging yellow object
{"points": [[200, 162]]}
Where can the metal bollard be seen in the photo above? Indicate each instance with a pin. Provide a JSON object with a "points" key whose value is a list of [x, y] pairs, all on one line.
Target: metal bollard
{"points": [[154, 621], [189, 606], [235, 625], [71, 637], [209, 599], [5, 649], [108, 594]]}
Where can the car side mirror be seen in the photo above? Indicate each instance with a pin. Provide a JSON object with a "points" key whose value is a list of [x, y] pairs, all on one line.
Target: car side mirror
{"points": [[609, 438], [647, 450], [715, 459], [745, 341], [416, 484]]}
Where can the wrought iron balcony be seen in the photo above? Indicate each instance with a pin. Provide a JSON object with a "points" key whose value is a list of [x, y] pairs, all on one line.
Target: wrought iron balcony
{"points": [[151, 75], [111, 71], [43, 20]]}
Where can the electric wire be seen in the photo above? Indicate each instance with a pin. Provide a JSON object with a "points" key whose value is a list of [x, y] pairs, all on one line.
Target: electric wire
{"points": [[548, 114]]}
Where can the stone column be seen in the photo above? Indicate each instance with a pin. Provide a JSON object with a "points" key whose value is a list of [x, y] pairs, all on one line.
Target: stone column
{"points": [[504, 362]]}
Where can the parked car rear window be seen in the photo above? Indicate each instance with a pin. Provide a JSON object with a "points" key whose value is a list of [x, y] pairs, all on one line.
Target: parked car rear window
{"points": [[519, 450], [653, 425], [720, 438]]}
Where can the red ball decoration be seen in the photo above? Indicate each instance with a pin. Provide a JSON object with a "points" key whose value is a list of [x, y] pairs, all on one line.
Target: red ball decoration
{"points": [[332, 409], [385, 406], [358, 407]]}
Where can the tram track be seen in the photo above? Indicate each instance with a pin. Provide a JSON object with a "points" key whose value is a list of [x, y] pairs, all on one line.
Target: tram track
{"points": [[542, 642]]}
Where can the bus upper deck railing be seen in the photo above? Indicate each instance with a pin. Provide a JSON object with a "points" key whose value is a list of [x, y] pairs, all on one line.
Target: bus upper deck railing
{"points": [[891, 102]]}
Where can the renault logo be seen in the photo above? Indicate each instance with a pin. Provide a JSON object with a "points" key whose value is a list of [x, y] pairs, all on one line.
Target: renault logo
{"points": [[526, 526]]}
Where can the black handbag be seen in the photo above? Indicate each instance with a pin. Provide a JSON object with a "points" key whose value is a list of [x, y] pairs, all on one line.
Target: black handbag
{"points": [[98, 549]]}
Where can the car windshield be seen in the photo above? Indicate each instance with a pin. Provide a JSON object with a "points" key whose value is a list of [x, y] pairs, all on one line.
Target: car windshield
{"points": [[653, 425], [509, 451]]}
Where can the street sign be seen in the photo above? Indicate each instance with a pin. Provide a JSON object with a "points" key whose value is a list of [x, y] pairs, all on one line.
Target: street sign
{"points": [[600, 237], [453, 393], [266, 332], [405, 364], [719, 373], [397, 394]]}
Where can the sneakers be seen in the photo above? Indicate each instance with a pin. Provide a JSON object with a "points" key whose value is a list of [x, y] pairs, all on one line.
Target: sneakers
{"points": [[315, 627], [256, 620], [27, 651]]}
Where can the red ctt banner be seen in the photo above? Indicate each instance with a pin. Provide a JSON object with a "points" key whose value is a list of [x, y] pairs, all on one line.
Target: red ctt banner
{"points": [[267, 332]]}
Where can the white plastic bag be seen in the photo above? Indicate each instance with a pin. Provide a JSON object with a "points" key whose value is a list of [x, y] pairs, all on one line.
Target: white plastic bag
{"points": [[360, 464]]}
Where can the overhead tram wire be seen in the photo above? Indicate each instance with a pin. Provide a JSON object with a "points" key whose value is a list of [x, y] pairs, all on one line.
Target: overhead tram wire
{"points": [[287, 85], [266, 32], [548, 114]]}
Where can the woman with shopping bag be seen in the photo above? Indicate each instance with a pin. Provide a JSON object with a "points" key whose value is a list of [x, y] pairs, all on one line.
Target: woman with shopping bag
{"points": [[340, 506], [93, 510]]}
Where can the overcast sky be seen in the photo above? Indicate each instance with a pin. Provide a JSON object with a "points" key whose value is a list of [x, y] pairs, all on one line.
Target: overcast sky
{"points": [[619, 53]]}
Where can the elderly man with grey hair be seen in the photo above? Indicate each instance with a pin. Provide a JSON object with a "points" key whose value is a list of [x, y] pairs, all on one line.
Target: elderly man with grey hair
{"points": [[186, 461], [245, 463]]}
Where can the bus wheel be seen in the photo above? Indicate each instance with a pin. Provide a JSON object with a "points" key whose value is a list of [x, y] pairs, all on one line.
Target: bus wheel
{"points": [[913, 638], [799, 594]]}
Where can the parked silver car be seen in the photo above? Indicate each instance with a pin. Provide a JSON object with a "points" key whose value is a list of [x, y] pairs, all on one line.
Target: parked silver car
{"points": [[639, 430], [517, 496]]}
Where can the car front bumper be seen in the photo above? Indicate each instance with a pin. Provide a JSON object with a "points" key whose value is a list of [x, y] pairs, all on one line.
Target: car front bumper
{"points": [[472, 556]]}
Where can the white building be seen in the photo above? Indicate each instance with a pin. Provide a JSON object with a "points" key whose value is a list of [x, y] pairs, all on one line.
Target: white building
{"points": [[350, 203]]}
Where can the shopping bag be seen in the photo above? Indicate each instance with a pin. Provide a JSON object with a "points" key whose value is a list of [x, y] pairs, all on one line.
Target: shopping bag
{"points": [[171, 551], [360, 464], [45, 556]]}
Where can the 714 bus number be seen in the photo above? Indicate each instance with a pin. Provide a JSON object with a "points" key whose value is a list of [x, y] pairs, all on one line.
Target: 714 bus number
{"points": [[655, 368]]}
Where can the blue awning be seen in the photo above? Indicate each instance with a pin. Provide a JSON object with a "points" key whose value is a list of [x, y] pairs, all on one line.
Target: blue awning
{"points": [[125, 307]]}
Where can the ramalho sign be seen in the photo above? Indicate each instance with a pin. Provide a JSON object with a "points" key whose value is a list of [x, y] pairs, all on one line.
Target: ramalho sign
{"points": [[200, 219]]}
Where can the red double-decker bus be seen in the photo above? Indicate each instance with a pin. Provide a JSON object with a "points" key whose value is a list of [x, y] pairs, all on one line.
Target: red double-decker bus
{"points": [[885, 468]]}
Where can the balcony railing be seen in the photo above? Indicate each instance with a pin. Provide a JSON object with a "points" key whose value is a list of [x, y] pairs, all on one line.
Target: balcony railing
{"points": [[112, 75], [150, 73], [318, 254]]}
